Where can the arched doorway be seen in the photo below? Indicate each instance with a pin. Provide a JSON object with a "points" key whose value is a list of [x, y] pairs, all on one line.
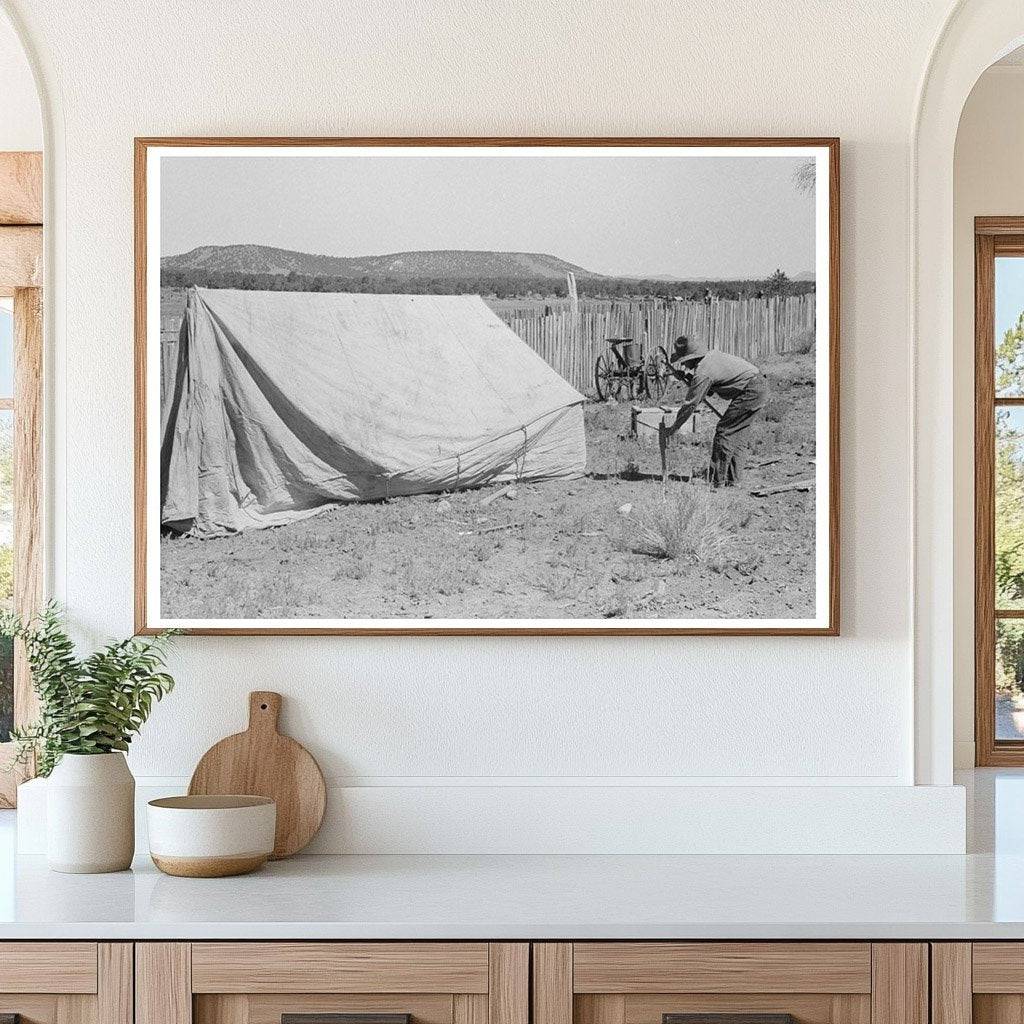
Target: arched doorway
{"points": [[975, 34]]}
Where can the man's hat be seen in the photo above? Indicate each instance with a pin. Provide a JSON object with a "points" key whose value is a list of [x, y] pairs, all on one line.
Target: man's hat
{"points": [[686, 350]]}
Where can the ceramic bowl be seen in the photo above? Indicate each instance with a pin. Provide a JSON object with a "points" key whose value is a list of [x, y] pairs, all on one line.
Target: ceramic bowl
{"points": [[211, 836]]}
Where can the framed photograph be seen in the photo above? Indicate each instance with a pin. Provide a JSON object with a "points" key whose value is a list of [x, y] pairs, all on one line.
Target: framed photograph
{"points": [[487, 386]]}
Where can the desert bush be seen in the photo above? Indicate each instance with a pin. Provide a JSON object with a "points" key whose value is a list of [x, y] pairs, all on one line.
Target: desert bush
{"points": [[690, 525]]}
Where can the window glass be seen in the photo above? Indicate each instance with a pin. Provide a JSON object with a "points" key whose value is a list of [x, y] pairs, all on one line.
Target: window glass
{"points": [[6, 519], [1009, 679], [1009, 327], [1009, 507]]}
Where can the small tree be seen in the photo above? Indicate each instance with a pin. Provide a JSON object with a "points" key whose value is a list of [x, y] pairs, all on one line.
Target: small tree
{"points": [[805, 177], [777, 284]]}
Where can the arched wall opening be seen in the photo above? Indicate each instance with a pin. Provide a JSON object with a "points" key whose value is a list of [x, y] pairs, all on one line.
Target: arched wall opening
{"points": [[975, 35], [986, 183]]}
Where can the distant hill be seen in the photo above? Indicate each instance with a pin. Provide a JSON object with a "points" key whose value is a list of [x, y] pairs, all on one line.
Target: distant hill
{"points": [[437, 264], [807, 275], [432, 272]]}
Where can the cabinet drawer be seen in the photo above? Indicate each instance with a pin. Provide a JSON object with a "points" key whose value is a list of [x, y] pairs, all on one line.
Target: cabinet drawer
{"points": [[749, 982], [634, 967], [262, 982], [48, 967], [340, 967], [66, 982]]}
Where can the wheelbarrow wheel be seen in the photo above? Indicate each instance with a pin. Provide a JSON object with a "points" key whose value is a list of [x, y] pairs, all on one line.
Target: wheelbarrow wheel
{"points": [[607, 381], [657, 377]]}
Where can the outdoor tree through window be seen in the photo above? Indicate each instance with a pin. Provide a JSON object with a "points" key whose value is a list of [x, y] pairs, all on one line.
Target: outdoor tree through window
{"points": [[999, 491], [6, 510]]}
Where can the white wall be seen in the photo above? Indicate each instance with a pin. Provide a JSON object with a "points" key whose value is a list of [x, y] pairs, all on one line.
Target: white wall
{"points": [[20, 122], [441, 713], [988, 181]]}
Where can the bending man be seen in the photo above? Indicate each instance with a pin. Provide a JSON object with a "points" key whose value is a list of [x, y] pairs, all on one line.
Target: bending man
{"points": [[726, 376]]}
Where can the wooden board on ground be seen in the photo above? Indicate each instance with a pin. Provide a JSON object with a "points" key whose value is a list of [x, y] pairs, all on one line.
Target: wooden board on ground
{"points": [[796, 485], [262, 762]]}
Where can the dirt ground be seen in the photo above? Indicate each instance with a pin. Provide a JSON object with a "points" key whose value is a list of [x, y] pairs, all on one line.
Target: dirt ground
{"points": [[608, 545]]}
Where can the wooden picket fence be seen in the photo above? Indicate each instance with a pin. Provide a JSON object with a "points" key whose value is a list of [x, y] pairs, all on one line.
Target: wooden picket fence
{"points": [[752, 328]]}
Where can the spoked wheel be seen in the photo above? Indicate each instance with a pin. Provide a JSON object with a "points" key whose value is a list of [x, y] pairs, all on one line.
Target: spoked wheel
{"points": [[606, 379], [657, 374]]}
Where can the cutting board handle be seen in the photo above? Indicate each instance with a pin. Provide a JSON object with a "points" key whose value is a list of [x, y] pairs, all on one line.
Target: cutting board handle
{"points": [[264, 710]]}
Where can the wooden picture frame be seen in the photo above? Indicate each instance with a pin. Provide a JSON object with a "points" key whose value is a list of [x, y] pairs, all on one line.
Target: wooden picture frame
{"points": [[825, 622]]}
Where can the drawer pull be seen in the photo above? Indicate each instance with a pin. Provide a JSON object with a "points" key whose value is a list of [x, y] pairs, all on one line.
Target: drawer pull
{"points": [[728, 1018], [341, 1018]]}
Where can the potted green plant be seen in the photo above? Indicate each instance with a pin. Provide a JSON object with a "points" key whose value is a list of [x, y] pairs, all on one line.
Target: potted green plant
{"points": [[89, 710]]}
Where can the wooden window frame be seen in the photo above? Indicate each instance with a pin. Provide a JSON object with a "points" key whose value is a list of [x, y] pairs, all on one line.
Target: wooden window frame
{"points": [[21, 269], [993, 237]]}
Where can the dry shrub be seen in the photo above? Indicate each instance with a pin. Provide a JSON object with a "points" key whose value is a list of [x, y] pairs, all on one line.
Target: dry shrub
{"points": [[697, 528], [690, 525]]}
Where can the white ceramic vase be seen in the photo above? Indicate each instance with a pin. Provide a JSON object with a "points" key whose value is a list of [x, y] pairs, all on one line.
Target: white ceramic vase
{"points": [[90, 814]]}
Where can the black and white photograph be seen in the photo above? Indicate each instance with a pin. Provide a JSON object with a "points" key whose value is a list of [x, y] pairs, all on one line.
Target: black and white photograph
{"points": [[471, 386]]}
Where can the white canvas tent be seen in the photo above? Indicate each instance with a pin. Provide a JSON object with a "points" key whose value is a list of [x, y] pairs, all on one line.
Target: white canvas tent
{"points": [[279, 404]]}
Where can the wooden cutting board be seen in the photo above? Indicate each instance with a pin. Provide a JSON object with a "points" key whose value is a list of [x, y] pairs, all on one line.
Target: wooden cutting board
{"points": [[262, 762]]}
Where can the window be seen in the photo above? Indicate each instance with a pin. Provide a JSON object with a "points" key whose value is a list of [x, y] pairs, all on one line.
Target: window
{"points": [[21, 374], [6, 510], [999, 490]]}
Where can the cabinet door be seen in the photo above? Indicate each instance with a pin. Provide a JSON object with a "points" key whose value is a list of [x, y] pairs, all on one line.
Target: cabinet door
{"points": [[747, 982], [66, 982], [332, 983], [981, 982]]}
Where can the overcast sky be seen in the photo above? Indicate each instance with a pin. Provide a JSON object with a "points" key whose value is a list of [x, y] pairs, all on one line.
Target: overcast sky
{"points": [[682, 216]]}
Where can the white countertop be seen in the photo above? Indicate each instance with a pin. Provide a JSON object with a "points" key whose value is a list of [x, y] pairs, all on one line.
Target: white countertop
{"points": [[978, 896], [532, 897]]}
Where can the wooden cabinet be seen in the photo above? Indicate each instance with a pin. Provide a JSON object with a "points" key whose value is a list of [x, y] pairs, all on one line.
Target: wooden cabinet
{"points": [[260, 982], [979, 982], [815, 982], [66, 982], [494, 983]]}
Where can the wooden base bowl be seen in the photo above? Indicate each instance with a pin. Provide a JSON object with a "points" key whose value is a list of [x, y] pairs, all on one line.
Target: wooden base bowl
{"points": [[209, 867], [211, 836]]}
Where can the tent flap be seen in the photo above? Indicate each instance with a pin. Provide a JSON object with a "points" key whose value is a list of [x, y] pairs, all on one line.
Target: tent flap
{"points": [[279, 404]]}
